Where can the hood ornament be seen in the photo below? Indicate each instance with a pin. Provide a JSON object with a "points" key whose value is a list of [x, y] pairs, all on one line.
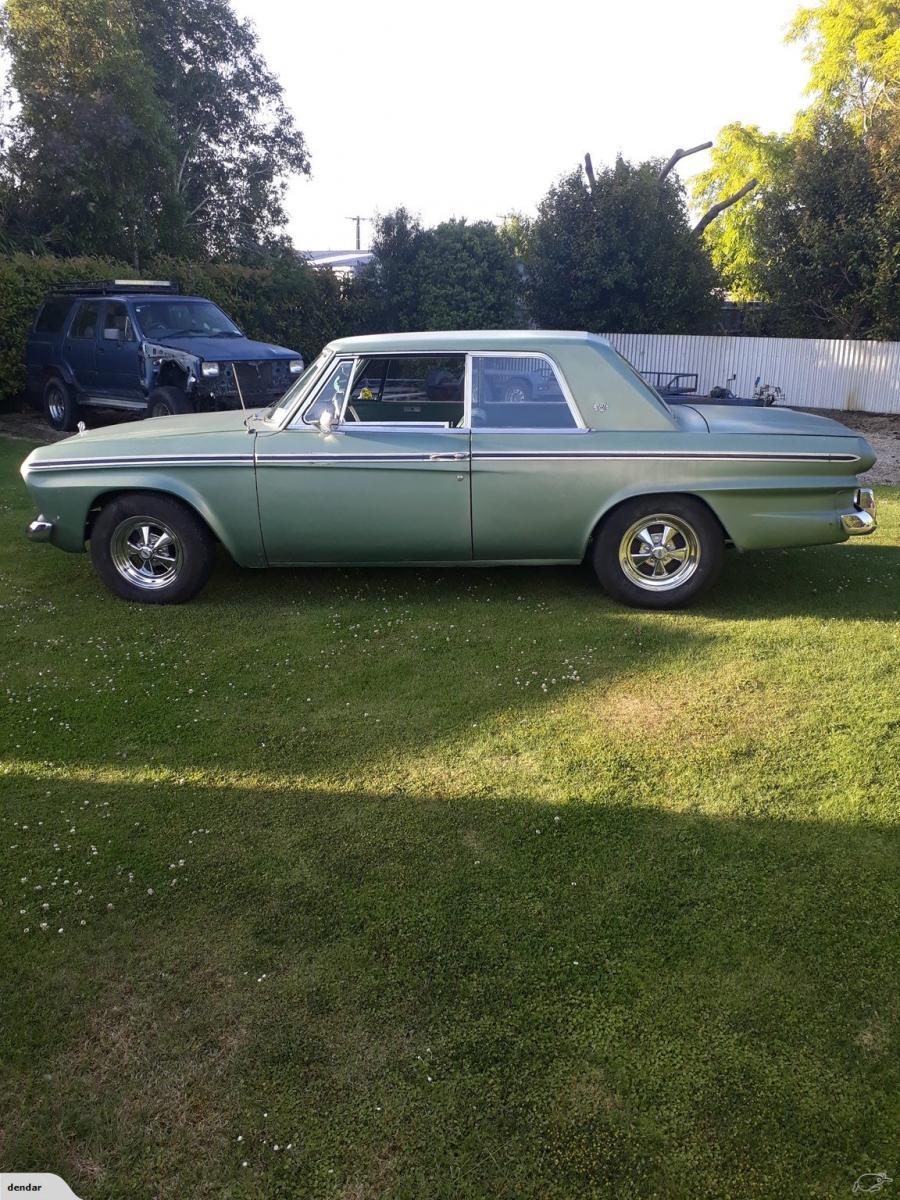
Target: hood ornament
{"points": [[81, 427]]}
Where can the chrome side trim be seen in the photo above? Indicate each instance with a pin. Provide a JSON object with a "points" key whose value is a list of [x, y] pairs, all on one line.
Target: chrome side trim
{"points": [[149, 460], [701, 455], [341, 460]]}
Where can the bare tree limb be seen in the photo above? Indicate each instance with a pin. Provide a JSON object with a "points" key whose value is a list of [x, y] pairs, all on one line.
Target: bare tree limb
{"points": [[589, 171], [679, 155], [711, 213]]}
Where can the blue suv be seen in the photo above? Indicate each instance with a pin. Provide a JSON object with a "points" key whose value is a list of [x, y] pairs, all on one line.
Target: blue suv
{"points": [[144, 348]]}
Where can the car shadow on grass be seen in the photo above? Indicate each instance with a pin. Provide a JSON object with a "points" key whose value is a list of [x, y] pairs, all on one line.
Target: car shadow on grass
{"points": [[452, 996]]}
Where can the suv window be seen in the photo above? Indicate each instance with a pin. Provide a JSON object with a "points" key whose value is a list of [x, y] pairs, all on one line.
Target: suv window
{"points": [[85, 323], [53, 315], [116, 317], [409, 388], [518, 393]]}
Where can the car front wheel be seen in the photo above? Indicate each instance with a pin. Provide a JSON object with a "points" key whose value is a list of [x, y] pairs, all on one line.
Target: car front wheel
{"points": [[168, 402], [151, 548], [659, 552]]}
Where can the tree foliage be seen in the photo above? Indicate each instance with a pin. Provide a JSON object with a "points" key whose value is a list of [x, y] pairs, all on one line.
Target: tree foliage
{"points": [[853, 48], [619, 255], [235, 141], [454, 276], [142, 126], [88, 156], [819, 239]]}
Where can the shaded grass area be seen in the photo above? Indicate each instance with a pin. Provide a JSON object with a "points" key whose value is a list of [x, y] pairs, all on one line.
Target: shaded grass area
{"points": [[450, 883]]}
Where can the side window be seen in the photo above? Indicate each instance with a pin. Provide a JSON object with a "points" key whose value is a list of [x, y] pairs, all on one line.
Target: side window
{"points": [[85, 323], [518, 393], [116, 322], [409, 389], [331, 395], [53, 315]]}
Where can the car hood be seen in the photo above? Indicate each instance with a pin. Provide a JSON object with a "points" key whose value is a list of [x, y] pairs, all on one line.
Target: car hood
{"points": [[724, 418], [215, 349], [181, 427]]}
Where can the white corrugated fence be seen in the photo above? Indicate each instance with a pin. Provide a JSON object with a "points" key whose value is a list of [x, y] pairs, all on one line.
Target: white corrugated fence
{"points": [[861, 376]]}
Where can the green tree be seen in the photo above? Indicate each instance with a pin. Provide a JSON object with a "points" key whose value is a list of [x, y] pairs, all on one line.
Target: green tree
{"points": [[454, 276], [235, 140], [818, 236], [88, 155], [617, 253], [853, 48]]}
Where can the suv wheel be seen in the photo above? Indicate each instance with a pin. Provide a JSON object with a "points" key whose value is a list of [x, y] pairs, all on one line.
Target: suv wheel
{"points": [[60, 407], [659, 552], [168, 402], [151, 548]]}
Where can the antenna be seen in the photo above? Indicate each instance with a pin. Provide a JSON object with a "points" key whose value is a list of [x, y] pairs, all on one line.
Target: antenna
{"points": [[358, 221]]}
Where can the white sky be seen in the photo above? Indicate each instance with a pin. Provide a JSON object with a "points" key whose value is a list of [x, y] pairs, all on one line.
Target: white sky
{"points": [[474, 108]]}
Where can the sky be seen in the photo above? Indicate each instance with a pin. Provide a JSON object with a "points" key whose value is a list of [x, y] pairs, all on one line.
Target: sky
{"points": [[473, 110]]}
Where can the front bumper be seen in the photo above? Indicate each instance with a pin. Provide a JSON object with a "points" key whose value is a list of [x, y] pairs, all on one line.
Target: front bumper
{"points": [[40, 529], [861, 519]]}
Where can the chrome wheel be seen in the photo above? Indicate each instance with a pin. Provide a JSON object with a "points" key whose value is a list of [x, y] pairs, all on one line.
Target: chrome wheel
{"points": [[516, 393], [56, 404], [659, 552], [146, 552]]}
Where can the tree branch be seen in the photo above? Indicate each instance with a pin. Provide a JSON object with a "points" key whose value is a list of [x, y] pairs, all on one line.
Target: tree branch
{"points": [[678, 156], [589, 171], [711, 213]]}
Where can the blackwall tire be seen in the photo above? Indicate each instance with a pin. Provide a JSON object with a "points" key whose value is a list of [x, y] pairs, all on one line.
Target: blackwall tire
{"points": [[168, 402], [60, 406], [151, 549], [659, 552]]}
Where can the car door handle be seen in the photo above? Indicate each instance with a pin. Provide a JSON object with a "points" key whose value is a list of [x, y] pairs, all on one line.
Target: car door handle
{"points": [[446, 457]]}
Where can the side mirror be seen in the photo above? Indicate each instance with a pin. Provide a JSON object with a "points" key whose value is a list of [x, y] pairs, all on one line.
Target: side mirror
{"points": [[113, 335], [326, 421]]}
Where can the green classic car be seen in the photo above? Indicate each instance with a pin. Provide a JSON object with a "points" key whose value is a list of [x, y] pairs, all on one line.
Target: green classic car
{"points": [[454, 448]]}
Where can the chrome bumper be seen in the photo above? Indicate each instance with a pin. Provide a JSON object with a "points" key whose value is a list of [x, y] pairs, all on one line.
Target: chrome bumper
{"points": [[40, 529], [861, 520]]}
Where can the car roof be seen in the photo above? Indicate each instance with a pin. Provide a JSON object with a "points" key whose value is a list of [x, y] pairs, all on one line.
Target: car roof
{"points": [[513, 340], [121, 296]]}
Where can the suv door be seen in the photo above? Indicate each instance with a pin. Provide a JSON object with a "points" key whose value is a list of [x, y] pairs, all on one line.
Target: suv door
{"points": [[80, 344], [387, 484], [118, 367]]}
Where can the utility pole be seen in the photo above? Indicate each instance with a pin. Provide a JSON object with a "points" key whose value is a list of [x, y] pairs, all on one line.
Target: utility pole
{"points": [[358, 221]]}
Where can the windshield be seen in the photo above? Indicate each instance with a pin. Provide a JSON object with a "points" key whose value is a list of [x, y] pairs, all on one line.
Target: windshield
{"points": [[277, 411], [183, 318]]}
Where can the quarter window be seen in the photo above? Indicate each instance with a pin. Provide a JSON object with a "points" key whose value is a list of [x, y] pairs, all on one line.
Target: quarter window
{"points": [[518, 393], [116, 318], [53, 316], [85, 324], [410, 389], [331, 395]]}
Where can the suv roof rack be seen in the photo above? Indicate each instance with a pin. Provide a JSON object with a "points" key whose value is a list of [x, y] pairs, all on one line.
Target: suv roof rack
{"points": [[109, 287]]}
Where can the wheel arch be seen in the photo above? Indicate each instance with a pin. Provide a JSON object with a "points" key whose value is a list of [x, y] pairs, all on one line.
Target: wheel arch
{"points": [[615, 503], [175, 491]]}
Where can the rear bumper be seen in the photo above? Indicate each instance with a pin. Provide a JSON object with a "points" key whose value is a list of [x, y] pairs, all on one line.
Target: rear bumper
{"points": [[861, 519], [40, 529]]}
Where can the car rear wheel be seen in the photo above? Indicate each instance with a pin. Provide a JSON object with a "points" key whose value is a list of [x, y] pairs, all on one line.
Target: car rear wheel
{"points": [[60, 407], [659, 552], [151, 548], [168, 402]]}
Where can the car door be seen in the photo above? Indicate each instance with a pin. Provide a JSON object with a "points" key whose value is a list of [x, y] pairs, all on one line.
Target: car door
{"points": [[117, 365], [533, 482], [80, 344], [388, 483]]}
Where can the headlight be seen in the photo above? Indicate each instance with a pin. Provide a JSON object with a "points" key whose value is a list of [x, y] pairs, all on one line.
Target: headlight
{"points": [[208, 369], [295, 366]]}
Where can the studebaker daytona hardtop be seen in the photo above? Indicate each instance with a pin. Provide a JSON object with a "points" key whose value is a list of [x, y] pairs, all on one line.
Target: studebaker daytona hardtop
{"points": [[409, 449]]}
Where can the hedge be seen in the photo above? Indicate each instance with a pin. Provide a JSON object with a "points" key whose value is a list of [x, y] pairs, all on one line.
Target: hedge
{"points": [[286, 302]]}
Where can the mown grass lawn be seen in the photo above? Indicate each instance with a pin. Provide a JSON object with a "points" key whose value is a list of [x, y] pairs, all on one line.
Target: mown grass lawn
{"points": [[450, 884]]}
